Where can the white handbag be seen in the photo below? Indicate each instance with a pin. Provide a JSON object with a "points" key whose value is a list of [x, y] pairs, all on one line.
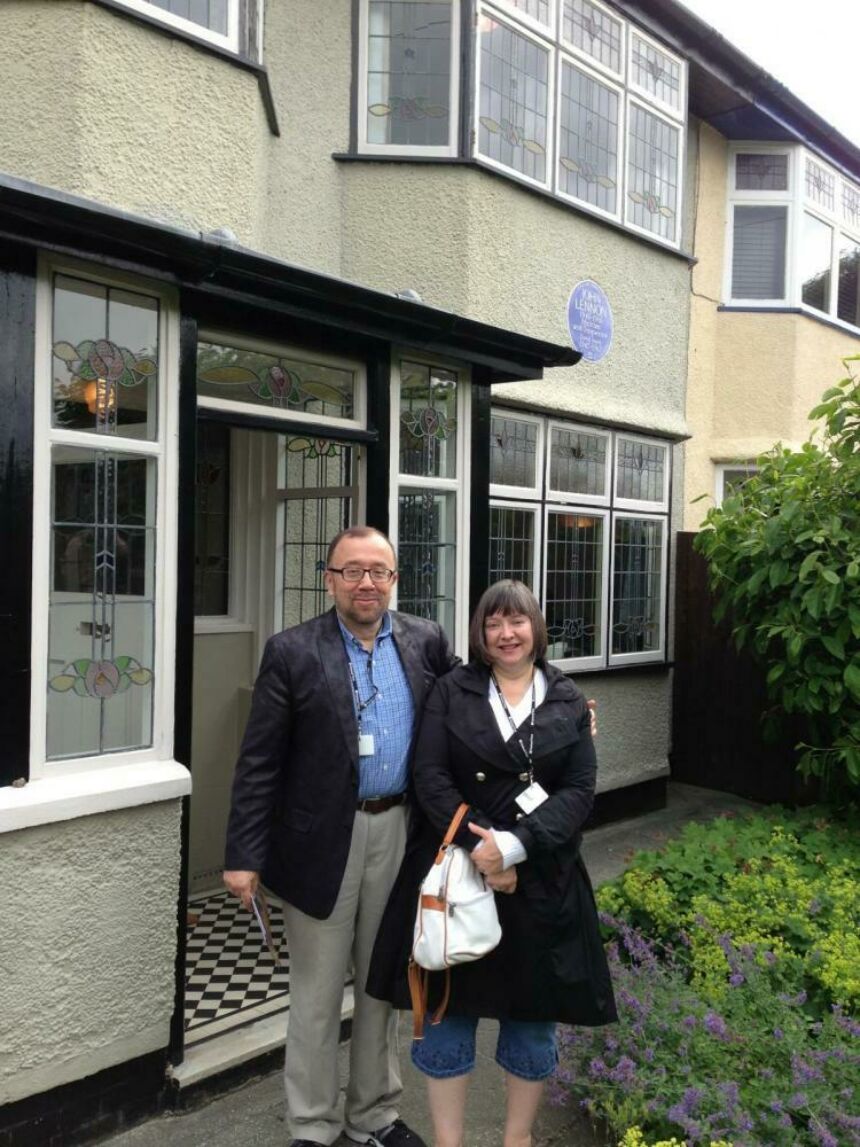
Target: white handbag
{"points": [[456, 921]]}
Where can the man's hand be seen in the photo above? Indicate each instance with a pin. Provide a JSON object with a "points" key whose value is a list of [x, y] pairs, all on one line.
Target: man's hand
{"points": [[487, 857], [592, 713], [242, 885], [504, 882]]}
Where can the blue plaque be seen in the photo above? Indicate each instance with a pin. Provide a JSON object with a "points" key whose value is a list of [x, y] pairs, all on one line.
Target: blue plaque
{"points": [[589, 320]]}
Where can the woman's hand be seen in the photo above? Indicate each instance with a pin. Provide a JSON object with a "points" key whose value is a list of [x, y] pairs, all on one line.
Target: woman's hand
{"points": [[504, 882], [592, 714], [487, 857]]}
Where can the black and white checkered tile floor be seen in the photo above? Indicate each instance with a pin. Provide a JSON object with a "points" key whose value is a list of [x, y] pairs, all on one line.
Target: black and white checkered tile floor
{"points": [[231, 977]]}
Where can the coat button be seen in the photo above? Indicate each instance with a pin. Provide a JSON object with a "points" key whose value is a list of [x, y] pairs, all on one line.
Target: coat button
{"points": [[524, 776], [519, 816], [480, 776]]}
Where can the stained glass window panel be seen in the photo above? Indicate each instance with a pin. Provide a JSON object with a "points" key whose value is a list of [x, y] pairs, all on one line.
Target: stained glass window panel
{"points": [[640, 471], [211, 14], [652, 173], [102, 603], [815, 253], [276, 382], [820, 185], [848, 299], [427, 552], [513, 124], [761, 172], [758, 252], [409, 72], [577, 462], [574, 584], [513, 452], [318, 504], [212, 521], [593, 31], [428, 421], [637, 623], [105, 356], [588, 144], [512, 544], [851, 205], [537, 9], [656, 72]]}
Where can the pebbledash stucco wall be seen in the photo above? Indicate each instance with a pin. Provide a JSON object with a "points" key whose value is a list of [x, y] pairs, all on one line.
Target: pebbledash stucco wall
{"points": [[753, 377], [87, 944]]}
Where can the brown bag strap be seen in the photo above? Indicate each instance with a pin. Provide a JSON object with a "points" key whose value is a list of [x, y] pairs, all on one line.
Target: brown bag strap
{"points": [[419, 987], [446, 997], [452, 831]]}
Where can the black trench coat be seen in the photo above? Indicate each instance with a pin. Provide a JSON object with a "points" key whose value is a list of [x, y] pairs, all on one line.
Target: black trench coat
{"points": [[550, 964]]}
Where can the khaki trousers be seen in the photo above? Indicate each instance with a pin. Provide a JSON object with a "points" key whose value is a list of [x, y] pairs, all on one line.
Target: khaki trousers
{"points": [[320, 955]]}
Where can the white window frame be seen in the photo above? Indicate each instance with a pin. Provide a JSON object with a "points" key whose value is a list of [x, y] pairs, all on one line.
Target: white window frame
{"points": [[441, 151], [230, 41], [679, 114], [544, 30], [287, 350], [609, 81], [519, 27], [723, 468], [499, 489], [640, 505], [597, 660], [164, 450], [599, 67], [534, 509], [655, 109], [651, 655], [568, 498], [460, 485]]}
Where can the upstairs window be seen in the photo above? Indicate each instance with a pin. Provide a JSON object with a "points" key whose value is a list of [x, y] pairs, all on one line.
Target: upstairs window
{"points": [[230, 24], [409, 76]]}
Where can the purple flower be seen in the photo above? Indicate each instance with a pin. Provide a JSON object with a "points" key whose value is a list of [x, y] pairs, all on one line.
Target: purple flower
{"points": [[715, 1025], [689, 1022], [624, 1071], [778, 1033], [736, 979], [824, 1137], [804, 1072], [680, 1112], [799, 1099], [597, 1067], [769, 958]]}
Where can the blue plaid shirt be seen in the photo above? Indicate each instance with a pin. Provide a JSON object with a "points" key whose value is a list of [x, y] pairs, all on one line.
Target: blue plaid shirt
{"points": [[387, 713]]}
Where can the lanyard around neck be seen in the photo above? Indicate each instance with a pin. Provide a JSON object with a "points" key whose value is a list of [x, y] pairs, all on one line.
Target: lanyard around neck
{"points": [[527, 753], [360, 705]]}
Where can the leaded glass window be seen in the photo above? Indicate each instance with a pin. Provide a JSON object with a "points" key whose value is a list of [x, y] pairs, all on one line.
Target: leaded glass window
{"points": [[514, 93], [428, 421], [409, 72], [758, 252], [574, 584], [815, 255], [656, 72], [578, 462], [593, 31], [652, 173], [286, 383], [820, 185], [848, 301], [212, 521], [512, 544], [105, 359], [588, 143], [537, 9], [318, 502], [851, 205], [513, 452], [640, 471], [427, 553], [101, 641], [765, 171], [211, 14], [637, 592]]}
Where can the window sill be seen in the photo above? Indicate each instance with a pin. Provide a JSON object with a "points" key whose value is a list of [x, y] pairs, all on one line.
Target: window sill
{"points": [[769, 309], [156, 25], [637, 667], [511, 177], [51, 799]]}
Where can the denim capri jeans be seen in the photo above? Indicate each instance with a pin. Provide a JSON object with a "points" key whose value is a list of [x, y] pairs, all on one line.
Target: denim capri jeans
{"points": [[527, 1050]]}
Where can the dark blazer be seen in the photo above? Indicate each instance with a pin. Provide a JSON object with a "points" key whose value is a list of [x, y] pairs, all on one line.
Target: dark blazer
{"points": [[550, 964], [296, 782]]}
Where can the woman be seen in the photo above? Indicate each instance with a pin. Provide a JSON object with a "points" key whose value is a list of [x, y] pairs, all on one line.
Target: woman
{"points": [[509, 735]]}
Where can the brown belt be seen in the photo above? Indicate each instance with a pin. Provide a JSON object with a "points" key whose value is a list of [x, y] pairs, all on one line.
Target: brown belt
{"points": [[381, 804]]}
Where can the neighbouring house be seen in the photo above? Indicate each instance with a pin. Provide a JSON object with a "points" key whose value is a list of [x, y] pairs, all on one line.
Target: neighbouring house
{"points": [[271, 268]]}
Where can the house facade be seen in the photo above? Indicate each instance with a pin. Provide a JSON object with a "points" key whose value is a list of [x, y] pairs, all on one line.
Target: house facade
{"points": [[270, 269]]}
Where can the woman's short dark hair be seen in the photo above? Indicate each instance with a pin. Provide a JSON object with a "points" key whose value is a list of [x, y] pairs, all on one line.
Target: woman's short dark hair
{"points": [[509, 598]]}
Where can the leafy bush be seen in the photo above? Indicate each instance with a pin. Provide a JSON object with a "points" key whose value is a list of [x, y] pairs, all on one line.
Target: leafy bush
{"points": [[635, 1138], [784, 561], [759, 1069], [785, 884]]}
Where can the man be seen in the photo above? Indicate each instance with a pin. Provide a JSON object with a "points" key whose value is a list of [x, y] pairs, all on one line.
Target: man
{"points": [[319, 810]]}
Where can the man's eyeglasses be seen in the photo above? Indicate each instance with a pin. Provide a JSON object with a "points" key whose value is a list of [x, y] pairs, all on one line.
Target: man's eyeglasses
{"points": [[354, 574]]}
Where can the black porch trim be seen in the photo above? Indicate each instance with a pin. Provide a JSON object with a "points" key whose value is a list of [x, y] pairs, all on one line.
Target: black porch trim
{"points": [[17, 353], [46, 218]]}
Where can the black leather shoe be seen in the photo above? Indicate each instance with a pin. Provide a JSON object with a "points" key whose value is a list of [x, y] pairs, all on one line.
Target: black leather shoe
{"points": [[396, 1134], [306, 1143]]}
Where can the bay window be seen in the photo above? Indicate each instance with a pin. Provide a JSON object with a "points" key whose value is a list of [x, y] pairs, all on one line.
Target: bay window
{"points": [[580, 514], [230, 24]]}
